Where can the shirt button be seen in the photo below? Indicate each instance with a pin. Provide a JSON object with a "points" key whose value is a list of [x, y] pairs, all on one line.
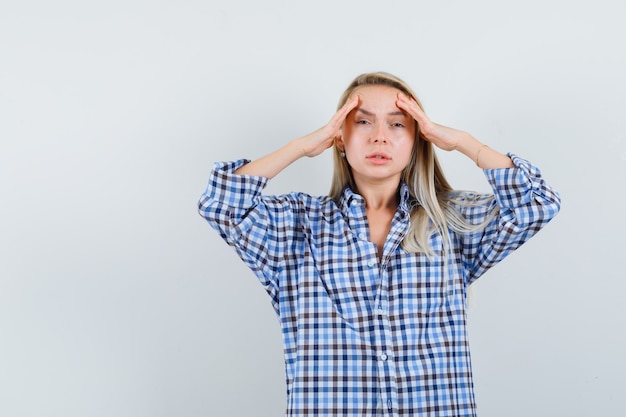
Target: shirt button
{"points": [[389, 405], [383, 357], [362, 236], [380, 309], [371, 263]]}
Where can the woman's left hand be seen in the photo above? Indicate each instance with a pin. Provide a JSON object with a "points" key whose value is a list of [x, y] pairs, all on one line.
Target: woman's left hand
{"points": [[443, 137]]}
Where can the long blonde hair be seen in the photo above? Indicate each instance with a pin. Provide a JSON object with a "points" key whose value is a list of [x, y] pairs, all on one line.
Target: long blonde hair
{"points": [[434, 199]]}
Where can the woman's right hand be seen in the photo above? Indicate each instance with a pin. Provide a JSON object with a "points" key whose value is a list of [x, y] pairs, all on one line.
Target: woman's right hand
{"points": [[323, 138], [310, 145]]}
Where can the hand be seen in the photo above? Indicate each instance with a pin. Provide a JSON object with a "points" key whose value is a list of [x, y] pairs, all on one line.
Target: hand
{"points": [[443, 137], [323, 138], [310, 145]]}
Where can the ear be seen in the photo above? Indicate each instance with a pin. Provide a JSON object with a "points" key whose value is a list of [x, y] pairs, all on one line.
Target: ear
{"points": [[339, 142]]}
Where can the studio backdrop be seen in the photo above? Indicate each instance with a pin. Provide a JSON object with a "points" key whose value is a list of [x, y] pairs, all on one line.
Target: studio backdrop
{"points": [[117, 299]]}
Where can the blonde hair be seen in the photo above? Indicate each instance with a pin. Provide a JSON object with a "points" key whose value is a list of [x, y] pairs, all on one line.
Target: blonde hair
{"points": [[434, 199]]}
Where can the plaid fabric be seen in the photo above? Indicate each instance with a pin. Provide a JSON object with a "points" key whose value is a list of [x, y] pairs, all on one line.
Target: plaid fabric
{"points": [[364, 337]]}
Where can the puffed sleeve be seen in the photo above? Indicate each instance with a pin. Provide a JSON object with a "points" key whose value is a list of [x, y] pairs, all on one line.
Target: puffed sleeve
{"points": [[525, 202]]}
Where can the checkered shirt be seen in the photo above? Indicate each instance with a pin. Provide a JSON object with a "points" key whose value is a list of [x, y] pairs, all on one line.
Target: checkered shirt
{"points": [[364, 337]]}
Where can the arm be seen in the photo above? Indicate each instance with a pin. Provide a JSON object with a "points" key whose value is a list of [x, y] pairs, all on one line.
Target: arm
{"points": [[449, 139], [262, 229], [310, 145], [526, 203]]}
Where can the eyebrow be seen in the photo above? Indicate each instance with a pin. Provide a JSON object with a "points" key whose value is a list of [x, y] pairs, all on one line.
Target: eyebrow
{"points": [[369, 113]]}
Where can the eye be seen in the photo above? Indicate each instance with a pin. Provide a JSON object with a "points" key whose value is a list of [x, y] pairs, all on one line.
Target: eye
{"points": [[362, 122], [397, 124]]}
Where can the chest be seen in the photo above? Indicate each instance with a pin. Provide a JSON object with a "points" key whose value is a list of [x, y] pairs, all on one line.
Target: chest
{"points": [[379, 225], [347, 267]]}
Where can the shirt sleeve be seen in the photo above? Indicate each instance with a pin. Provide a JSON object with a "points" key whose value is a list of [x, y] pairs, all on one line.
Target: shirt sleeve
{"points": [[260, 228], [525, 202]]}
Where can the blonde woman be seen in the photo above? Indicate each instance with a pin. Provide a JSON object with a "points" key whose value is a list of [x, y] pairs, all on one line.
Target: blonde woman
{"points": [[369, 283]]}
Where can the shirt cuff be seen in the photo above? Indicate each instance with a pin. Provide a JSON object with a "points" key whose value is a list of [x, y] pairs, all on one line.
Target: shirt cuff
{"points": [[514, 187], [231, 189]]}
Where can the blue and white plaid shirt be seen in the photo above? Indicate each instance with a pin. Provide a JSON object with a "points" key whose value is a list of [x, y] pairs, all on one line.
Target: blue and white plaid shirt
{"points": [[364, 337]]}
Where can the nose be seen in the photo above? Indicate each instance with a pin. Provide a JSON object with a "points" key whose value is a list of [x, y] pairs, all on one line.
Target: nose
{"points": [[379, 135]]}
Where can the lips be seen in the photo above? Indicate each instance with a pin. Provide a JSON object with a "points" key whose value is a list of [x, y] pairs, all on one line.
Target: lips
{"points": [[378, 156]]}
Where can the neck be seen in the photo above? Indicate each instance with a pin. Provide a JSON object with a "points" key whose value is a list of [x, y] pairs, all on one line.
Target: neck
{"points": [[379, 196]]}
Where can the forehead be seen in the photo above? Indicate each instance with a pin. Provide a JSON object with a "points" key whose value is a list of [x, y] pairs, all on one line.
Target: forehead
{"points": [[377, 95], [377, 99]]}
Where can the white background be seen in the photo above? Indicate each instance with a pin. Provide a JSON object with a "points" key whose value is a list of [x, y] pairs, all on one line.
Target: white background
{"points": [[116, 299]]}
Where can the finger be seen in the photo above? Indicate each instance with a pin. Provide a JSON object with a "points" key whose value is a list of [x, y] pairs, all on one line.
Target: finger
{"points": [[336, 122], [407, 102], [351, 102], [343, 112], [347, 108], [410, 106], [404, 102]]}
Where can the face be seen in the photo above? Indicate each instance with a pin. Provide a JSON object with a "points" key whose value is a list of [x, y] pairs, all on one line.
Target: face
{"points": [[377, 136]]}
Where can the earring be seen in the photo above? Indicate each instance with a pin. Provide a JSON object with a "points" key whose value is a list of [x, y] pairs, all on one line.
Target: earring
{"points": [[343, 154]]}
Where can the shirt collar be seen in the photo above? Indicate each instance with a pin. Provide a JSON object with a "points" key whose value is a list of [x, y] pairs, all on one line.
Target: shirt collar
{"points": [[349, 198]]}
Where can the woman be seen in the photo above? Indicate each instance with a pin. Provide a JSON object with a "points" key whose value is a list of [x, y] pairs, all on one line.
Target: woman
{"points": [[369, 283]]}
